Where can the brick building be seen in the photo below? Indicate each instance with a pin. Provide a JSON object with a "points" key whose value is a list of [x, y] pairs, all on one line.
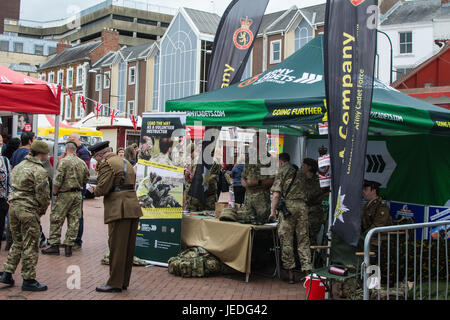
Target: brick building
{"points": [[9, 9], [70, 67]]}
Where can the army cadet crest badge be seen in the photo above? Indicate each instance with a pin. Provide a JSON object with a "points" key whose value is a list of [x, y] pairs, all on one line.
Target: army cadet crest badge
{"points": [[243, 37], [340, 207]]}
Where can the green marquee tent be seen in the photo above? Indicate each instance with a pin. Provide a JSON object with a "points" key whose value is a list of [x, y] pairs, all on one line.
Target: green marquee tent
{"points": [[291, 97]]}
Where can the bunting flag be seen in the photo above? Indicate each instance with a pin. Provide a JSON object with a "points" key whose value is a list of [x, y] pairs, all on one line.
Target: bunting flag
{"points": [[114, 114], [83, 102], [54, 88], [349, 48], [70, 93], [133, 119], [97, 109]]}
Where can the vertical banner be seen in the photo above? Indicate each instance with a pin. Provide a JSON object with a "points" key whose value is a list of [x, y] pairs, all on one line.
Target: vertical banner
{"points": [[233, 42], [350, 47], [159, 189]]}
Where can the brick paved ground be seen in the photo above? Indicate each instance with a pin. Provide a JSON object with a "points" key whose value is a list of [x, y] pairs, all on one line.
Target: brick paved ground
{"points": [[146, 283]]}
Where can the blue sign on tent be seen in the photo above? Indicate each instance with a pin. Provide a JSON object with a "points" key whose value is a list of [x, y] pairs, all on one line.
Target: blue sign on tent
{"points": [[438, 214], [414, 212]]}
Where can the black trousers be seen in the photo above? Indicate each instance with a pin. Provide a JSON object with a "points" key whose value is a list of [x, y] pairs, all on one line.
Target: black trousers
{"points": [[239, 194], [4, 207]]}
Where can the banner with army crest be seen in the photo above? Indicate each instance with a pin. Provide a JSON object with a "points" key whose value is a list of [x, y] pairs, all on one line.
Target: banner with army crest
{"points": [[159, 186]]}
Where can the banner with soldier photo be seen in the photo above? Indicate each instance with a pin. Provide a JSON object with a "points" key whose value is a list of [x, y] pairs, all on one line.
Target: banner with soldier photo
{"points": [[159, 186]]}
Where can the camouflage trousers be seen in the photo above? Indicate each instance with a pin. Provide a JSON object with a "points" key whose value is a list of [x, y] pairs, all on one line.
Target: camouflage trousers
{"points": [[26, 232], [67, 205], [256, 206], [194, 204], [297, 222], [169, 202], [316, 219]]}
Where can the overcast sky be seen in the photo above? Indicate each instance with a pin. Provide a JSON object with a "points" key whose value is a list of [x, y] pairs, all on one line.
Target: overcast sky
{"points": [[47, 10]]}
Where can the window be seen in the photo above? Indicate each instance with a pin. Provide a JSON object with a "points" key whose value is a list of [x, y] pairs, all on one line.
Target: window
{"points": [[105, 110], [38, 49], [51, 50], [130, 108], [78, 107], [4, 45], [69, 80], [43, 76], [147, 22], [405, 42], [132, 75], [275, 51], [60, 77], [106, 80], [123, 18], [68, 110], [51, 77], [79, 75], [98, 82], [18, 47], [164, 25], [402, 71]]}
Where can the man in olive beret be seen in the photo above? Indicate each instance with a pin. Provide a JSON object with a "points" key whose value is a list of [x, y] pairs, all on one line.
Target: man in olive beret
{"points": [[28, 202]]}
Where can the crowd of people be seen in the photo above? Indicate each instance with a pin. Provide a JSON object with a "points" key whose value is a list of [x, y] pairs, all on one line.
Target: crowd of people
{"points": [[291, 196]]}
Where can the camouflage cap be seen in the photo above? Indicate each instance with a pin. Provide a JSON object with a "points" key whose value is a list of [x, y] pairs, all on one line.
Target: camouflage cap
{"points": [[40, 146], [228, 214]]}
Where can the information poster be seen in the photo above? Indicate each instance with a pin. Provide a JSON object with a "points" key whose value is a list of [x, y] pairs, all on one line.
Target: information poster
{"points": [[411, 213], [437, 214], [159, 188]]}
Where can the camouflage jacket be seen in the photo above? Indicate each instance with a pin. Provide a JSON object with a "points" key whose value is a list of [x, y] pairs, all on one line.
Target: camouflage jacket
{"points": [[313, 191], [283, 179], [375, 214], [162, 158], [30, 184], [71, 173], [254, 172]]}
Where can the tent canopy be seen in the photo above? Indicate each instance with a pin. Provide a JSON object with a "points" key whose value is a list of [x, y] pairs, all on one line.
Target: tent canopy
{"points": [[20, 93], [291, 97]]}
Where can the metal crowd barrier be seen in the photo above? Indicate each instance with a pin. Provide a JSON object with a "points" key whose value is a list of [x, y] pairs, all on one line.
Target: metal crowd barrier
{"points": [[416, 256]]}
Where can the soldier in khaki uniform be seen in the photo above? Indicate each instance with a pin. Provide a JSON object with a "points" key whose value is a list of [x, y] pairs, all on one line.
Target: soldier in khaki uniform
{"points": [[28, 202], [116, 180], [297, 221], [71, 174], [375, 212]]}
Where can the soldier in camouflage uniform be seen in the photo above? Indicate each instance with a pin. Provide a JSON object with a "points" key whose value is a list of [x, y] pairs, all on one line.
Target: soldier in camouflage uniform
{"points": [[257, 190], [146, 189], [165, 146], [180, 151], [28, 202], [71, 174], [298, 220], [314, 194], [166, 199]]}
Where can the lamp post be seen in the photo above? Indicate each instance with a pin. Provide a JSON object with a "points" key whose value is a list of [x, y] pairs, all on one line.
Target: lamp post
{"points": [[101, 86], [392, 56]]}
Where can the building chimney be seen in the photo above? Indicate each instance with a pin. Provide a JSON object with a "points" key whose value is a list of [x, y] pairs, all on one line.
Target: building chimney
{"points": [[110, 40], [62, 45]]}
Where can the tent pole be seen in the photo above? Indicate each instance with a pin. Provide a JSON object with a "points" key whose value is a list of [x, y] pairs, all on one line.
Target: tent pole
{"points": [[55, 151]]}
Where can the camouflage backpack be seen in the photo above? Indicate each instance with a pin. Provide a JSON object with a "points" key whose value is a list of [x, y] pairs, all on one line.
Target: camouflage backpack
{"points": [[194, 262]]}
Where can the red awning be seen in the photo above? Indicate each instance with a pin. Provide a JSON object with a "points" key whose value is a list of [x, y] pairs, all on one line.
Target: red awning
{"points": [[21, 93]]}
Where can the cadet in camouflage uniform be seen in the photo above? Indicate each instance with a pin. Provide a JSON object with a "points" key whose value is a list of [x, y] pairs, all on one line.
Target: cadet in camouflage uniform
{"points": [[314, 194], [165, 146], [257, 189], [146, 188], [28, 202], [179, 153], [166, 199], [298, 220], [71, 174]]}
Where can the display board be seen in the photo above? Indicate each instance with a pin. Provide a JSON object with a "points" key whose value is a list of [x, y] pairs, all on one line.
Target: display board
{"points": [[159, 188]]}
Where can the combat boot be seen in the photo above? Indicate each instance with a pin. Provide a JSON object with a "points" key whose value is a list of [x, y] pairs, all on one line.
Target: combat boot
{"points": [[7, 279], [68, 251], [33, 285], [291, 276], [54, 249]]}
